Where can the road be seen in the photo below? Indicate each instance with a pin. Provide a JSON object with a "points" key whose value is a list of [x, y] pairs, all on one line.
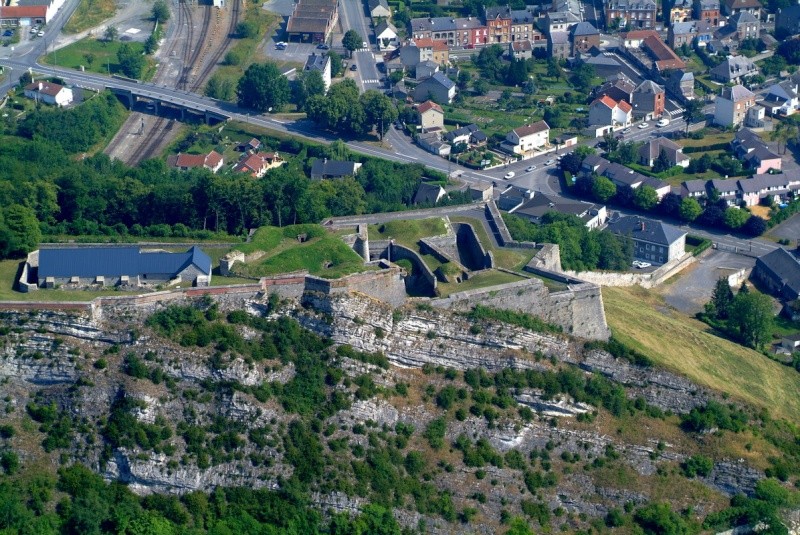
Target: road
{"points": [[353, 18]]}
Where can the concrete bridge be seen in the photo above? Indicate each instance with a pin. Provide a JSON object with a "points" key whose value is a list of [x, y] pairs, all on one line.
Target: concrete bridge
{"points": [[159, 103]]}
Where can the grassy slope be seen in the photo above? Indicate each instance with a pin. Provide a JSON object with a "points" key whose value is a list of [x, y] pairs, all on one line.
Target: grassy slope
{"points": [[682, 344], [90, 13], [104, 57]]}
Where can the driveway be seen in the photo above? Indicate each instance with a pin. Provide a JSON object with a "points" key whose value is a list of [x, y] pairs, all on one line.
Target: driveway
{"points": [[696, 283], [789, 230]]}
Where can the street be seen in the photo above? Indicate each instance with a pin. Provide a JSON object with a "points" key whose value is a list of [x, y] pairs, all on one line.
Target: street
{"points": [[353, 17]]}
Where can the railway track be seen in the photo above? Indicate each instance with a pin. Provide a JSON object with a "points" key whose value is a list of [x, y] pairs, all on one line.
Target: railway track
{"points": [[215, 58]]}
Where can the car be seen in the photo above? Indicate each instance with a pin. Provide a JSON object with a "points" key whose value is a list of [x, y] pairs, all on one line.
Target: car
{"points": [[550, 162], [642, 126], [40, 33], [280, 46], [510, 174], [8, 33], [530, 168], [323, 46], [365, 44], [353, 67], [494, 183], [626, 131], [662, 122], [34, 29], [640, 265]]}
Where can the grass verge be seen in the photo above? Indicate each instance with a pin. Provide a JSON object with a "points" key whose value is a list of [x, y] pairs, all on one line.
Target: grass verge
{"points": [[90, 13], [641, 320], [97, 56]]}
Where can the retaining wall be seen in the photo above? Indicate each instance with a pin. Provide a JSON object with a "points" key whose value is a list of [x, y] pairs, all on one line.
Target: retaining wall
{"points": [[645, 280], [386, 285], [469, 244]]}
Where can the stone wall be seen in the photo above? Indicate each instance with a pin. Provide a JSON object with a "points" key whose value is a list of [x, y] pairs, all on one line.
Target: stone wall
{"points": [[500, 229], [24, 283], [471, 250], [645, 280], [379, 249], [386, 285]]}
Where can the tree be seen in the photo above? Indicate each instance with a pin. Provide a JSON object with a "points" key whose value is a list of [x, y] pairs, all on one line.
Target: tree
{"points": [[790, 50], [150, 44], [603, 189], [582, 77], [247, 29], [627, 153], [131, 62], [690, 209], [735, 217], [262, 86], [160, 11], [662, 163], [19, 231], [583, 151], [352, 41], [379, 109], [645, 197], [659, 519], [721, 299], [783, 133], [481, 86], [220, 88], [111, 33], [553, 69], [610, 142], [751, 317], [754, 226], [336, 63], [571, 163], [308, 84], [692, 112]]}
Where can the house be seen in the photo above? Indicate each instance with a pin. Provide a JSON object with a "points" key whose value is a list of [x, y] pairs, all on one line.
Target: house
{"points": [[513, 197], [648, 100], [481, 192], [681, 11], [426, 69], [312, 20], [259, 163], [787, 21], [526, 140], [790, 343], [750, 148], [429, 194], [432, 142], [619, 88], [464, 32], [558, 45], [653, 241], [379, 9], [605, 111], [690, 33], [782, 99], [733, 69], [520, 49], [727, 189], [128, 266], [332, 169], [438, 87], [584, 37], [504, 24], [681, 85], [386, 35], [422, 49], [663, 57], [734, 7], [212, 161], [707, 11], [638, 14], [252, 145], [731, 107], [651, 150], [744, 25], [321, 63], [779, 273], [49, 93], [693, 188], [470, 135], [773, 188], [399, 92], [559, 21], [431, 116], [623, 176], [592, 215]]}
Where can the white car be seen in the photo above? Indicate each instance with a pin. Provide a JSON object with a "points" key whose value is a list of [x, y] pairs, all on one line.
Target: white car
{"points": [[530, 168], [662, 122], [510, 174], [641, 265], [365, 44], [40, 33], [549, 162], [642, 126]]}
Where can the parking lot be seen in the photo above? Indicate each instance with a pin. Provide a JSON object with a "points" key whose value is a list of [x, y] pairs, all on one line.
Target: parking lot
{"points": [[692, 290], [789, 230]]}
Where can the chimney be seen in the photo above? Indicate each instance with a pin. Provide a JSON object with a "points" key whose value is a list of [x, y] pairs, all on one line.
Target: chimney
{"points": [[325, 161], [41, 86], [641, 225]]}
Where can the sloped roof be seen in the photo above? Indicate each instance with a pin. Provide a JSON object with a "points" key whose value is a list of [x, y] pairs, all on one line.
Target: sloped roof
{"points": [[377, 3], [649, 86], [606, 101], [584, 28], [115, 261], [624, 106], [784, 266], [734, 66], [429, 105], [383, 26], [21, 12], [725, 185], [694, 186], [653, 148], [428, 193], [45, 88], [440, 79], [649, 230], [541, 204], [743, 17], [737, 92], [762, 182], [538, 126], [334, 168]]}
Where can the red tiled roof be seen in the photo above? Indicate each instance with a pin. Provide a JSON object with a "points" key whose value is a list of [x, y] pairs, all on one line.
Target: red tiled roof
{"points": [[45, 88], [440, 46], [424, 42], [624, 106], [608, 101], [535, 128], [429, 105], [212, 159], [666, 58], [640, 34], [19, 12]]}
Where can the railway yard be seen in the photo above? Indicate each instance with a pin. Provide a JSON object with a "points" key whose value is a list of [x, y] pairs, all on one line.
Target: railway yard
{"points": [[196, 41]]}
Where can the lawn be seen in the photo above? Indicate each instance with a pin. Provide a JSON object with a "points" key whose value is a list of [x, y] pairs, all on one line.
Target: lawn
{"points": [[103, 56], [323, 254], [513, 259], [675, 341], [90, 13], [8, 275], [708, 139], [408, 232], [481, 280]]}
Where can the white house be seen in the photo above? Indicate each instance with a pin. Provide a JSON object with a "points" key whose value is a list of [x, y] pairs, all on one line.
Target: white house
{"points": [[782, 99], [605, 111], [49, 93], [321, 63], [386, 35], [527, 139], [379, 8]]}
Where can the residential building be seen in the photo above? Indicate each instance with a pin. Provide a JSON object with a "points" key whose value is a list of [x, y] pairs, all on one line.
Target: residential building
{"points": [[378, 9], [128, 266], [681, 11], [690, 33], [681, 85], [751, 149], [386, 35], [321, 63], [648, 100], [707, 11], [470, 135], [49, 93], [734, 7], [28, 12], [779, 273], [624, 176], [464, 32], [312, 20], [481, 192], [526, 140], [212, 161], [584, 37], [332, 169], [431, 116], [653, 241], [438, 88], [558, 45], [250, 146], [505, 25], [618, 88], [638, 14], [732, 105], [605, 111], [727, 189], [422, 49], [432, 142], [559, 21], [513, 197], [693, 188], [773, 188], [744, 25], [429, 194], [782, 99], [664, 58], [259, 163], [787, 21], [425, 69], [733, 69], [651, 150], [520, 49], [533, 209]]}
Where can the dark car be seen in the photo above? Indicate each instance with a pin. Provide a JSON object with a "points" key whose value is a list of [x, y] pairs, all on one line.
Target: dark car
{"points": [[8, 33], [323, 46], [353, 67]]}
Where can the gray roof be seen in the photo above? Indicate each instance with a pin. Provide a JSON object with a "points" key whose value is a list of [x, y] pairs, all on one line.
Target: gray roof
{"points": [[441, 79], [725, 185], [737, 92], [375, 3], [559, 38], [443, 24], [649, 86], [383, 26], [333, 168], [742, 17], [316, 62], [86, 262], [783, 266], [541, 204], [584, 28], [463, 131], [763, 182], [681, 76], [694, 186], [735, 66], [428, 193], [647, 230], [682, 28]]}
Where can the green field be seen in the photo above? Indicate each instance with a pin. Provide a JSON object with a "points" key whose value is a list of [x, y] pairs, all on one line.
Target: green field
{"points": [[324, 254], [481, 280], [90, 13], [513, 259], [642, 320], [103, 56], [8, 275], [408, 232]]}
